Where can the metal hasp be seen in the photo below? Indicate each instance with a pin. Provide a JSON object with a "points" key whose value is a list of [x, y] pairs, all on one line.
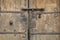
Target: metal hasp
{"points": [[33, 9]]}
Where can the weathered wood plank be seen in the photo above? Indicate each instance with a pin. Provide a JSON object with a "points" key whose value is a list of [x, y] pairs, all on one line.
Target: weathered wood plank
{"points": [[17, 22], [51, 6], [48, 5], [45, 37], [13, 21], [47, 23], [12, 5], [12, 37]]}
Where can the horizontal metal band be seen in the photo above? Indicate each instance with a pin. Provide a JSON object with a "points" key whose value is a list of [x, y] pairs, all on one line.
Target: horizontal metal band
{"points": [[45, 33], [24, 11], [12, 32], [48, 12], [10, 11]]}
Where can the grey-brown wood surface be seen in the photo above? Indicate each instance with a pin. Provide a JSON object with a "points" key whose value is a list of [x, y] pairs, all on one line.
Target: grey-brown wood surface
{"points": [[13, 25], [47, 23], [18, 22]]}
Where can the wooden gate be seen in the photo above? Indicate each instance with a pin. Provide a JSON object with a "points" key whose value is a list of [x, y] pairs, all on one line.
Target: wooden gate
{"points": [[29, 20]]}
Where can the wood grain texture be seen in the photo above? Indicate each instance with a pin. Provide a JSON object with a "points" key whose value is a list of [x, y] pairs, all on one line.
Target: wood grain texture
{"points": [[58, 5], [45, 37], [10, 22], [48, 5], [12, 5], [12, 37], [13, 21], [48, 23]]}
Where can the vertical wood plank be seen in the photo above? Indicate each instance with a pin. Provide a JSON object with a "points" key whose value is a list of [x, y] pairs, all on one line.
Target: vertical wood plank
{"points": [[13, 22], [48, 23]]}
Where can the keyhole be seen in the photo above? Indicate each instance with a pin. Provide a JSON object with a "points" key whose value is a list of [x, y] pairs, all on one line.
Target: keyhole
{"points": [[11, 23], [39, 16]]}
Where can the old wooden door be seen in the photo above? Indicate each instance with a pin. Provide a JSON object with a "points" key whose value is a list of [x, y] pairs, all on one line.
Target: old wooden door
{"points": [[29, 20]]}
